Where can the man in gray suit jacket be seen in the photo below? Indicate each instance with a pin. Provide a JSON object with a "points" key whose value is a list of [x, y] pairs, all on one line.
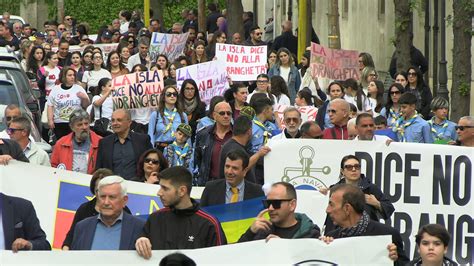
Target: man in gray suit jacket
{"points": [[233, 188], [112, 228]]}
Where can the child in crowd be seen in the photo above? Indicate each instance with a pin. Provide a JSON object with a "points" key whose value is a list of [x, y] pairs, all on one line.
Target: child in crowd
{"points": [[180, 152]]}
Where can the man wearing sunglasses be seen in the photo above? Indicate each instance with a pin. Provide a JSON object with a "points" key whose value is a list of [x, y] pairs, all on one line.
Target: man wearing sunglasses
{"points": [[255, 38], [292, 121], [346, 209], [284, 222], [465, 131], [233, 188], [339, 115]]}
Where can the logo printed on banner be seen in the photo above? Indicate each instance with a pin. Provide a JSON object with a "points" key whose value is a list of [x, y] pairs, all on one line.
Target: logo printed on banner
{"points": [[304, 177]]}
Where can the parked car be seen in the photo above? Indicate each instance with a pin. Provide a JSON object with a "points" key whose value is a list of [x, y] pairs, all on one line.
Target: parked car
{"points": [[14, 19], [12, 73]]}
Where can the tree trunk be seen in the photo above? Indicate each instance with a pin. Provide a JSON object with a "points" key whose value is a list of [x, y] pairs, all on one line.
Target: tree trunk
{"points": [[157, 7], [60, 11], [462, 68], [234, 17], [403, 30], [333, 23], [202, 15]]}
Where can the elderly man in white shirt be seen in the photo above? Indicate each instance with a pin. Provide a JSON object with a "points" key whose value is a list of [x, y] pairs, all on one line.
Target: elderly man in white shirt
{"points": [[292, 121]]}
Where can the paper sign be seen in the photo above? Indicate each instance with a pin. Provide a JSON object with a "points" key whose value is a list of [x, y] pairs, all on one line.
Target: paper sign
{"points": [[242, 62], [137, 90], [308, 113], [210, 77], [336, 64], [171, 45]]}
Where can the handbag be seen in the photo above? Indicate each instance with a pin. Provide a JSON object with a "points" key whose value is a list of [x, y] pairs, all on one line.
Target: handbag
{"points": [[102, 125]]}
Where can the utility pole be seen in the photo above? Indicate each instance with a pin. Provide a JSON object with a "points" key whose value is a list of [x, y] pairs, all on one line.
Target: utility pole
{"points": [[333, 19], [443, 72]]}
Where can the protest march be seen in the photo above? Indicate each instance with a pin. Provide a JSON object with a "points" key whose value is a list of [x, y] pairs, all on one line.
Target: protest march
{"points": [[148, 142]]}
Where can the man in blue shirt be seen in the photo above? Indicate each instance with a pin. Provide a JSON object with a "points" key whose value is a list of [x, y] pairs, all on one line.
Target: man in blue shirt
{"points": [[410, 127], [112, 228], [442, 130]]}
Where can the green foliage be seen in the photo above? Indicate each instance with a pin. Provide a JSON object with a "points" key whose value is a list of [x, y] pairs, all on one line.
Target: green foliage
{"points": [[11, 6], [464, 89]]}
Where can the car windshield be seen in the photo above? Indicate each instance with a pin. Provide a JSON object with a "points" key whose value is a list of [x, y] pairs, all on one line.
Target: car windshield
{"points": [[17, 78]]}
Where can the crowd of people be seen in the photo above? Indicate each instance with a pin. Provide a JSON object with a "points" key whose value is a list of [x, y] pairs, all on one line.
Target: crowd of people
{"points": [[220, 146]]}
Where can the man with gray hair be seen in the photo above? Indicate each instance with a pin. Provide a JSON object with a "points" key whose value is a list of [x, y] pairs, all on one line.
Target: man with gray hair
{"points": [[465, 130], [142, 56], [112, 228], [311, 130], [19, 131], [292, 121], [338, 111], [77, 151]]}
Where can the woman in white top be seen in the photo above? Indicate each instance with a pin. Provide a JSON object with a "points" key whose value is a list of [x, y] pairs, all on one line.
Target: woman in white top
{"points": [[280, 90], [355, 95], [48, 75], [64, 99], [91, 78], [102, 103], [376, 91], [263, 86]]}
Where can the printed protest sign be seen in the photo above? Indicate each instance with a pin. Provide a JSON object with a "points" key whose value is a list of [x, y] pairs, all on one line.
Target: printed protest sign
{"points": [[242, 62], [336, 64], [308, 113], [210, 77], [137, 90], [171, 45]]}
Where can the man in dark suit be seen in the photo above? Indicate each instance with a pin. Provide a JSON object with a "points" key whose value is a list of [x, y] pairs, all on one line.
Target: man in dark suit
{"points": [[112, 228], [120, 151], [233, 188], [21, 228], [346, 209]]}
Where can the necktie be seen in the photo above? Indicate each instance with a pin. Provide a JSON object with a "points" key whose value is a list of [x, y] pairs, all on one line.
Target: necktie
{"points": [[235, 194]]}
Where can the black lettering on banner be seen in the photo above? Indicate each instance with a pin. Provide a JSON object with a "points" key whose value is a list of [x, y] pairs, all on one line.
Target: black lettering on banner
{"points": [[450, 227], [462, 160], [398, 219], [378, 170], [387, 176], [442, 179], [409, 173], [369, 162], [468, 242]]}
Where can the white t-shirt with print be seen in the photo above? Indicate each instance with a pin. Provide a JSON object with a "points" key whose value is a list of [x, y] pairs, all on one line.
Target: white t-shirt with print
{"points": [[51, 78], [64, 102], [92, 78]]}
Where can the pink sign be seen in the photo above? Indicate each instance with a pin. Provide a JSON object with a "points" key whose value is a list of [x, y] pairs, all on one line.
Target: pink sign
{"points": [[336, 64]]}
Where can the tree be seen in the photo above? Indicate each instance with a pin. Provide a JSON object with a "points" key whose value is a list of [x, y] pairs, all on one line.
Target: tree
{"points": [[202, 15], [234, 17], [462, 69], [157, 7], [403, 33], [333, 23]]}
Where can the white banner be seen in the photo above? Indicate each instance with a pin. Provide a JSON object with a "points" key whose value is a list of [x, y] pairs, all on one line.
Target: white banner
{"points": [[105, 47], [210, 77], [426, 183], [242, 62], [171, 45], [349, 251]]}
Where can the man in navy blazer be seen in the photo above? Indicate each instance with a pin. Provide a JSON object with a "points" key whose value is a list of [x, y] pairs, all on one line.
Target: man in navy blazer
{"points": [[21, 228], [112, 228], [120, 151], [233, 188]]}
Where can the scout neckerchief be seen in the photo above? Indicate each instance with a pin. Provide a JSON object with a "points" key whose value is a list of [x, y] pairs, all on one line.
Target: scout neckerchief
{"points": [[401, 125], [181, 152], [266, 134], [443, 125], [170, 115], [393, 114]]}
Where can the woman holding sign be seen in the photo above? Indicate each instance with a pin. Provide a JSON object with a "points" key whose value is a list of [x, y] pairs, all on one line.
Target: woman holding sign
{"points": [[286, 68], [164, 122], [377, 204]]}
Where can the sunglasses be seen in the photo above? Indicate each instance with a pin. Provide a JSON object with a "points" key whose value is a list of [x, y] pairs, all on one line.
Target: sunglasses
{"points": [[275, 203], [222, 113], [152, 161], [462, 127], [290, 119], [169, 94], [394, 92], [9, 118], [411, 74], [352, 166], [11, 130], [262, 81]]}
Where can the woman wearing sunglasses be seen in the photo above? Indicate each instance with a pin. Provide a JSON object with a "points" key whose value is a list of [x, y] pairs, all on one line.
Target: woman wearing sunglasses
{"points": [[151, 162], [377, 204], [164, 122], [417, 86], [391, 110]]}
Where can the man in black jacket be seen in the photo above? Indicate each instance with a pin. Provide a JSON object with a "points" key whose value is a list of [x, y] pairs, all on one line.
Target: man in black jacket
{"points": [[284, 222], [233, 188], [120, 151], [181, 224], [346, 209], [9, 150]]}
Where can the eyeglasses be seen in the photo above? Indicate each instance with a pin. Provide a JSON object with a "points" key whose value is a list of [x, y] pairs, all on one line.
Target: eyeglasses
{"points": [[292, 119], [462, 127], [11, 130], [61, 29], [332, 111], [276, 203], [258, 33], [352, 166], [262, 81], [394, 92], [169, 94], [98, 57], [131, 41], [411, 73], [152, 161], [222, 113], [9, 118]]}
